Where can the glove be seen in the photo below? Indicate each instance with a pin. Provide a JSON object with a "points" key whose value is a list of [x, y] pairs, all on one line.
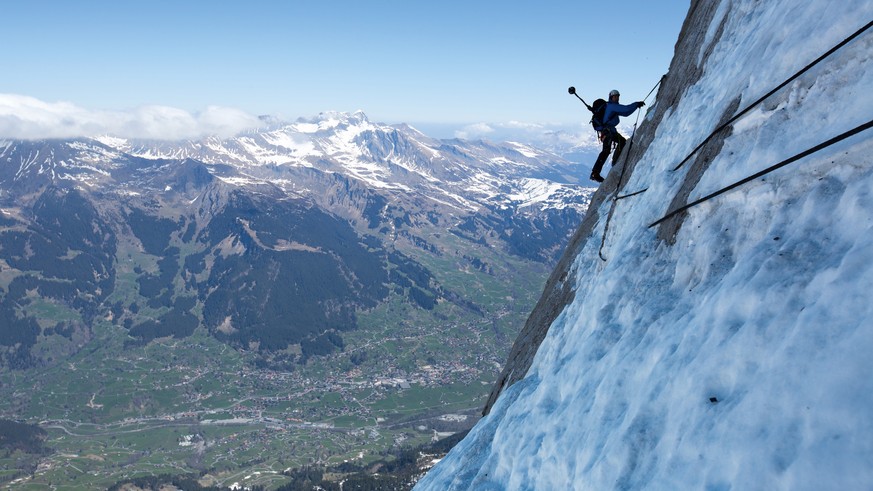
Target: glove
{"points": [[641, 104]]}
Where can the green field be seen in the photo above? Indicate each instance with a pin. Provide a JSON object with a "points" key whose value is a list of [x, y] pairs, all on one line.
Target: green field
{"points": [[115, 410]]}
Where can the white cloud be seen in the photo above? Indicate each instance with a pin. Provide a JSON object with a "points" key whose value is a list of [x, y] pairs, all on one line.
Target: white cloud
{"points": [[474, 131], [24, 117], [524, 126]]}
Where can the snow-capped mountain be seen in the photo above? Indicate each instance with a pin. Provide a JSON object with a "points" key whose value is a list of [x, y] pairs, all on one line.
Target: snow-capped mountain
{"points": [[37, 163], [461, 174], [345, 163], [358, 199], [727, 346]]}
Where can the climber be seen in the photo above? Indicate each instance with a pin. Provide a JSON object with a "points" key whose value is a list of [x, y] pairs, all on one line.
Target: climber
{"points": [[609, 134]]}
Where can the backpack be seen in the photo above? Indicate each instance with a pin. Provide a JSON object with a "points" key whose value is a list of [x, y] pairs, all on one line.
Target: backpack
{"points": [[598, 110]]}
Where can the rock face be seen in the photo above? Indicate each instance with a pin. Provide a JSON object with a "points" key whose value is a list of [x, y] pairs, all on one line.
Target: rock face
{"points": [[685, 70], [722, 348]]}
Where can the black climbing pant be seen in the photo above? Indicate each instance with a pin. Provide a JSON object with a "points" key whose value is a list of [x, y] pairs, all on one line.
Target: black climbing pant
{"points": [[610, 136]]}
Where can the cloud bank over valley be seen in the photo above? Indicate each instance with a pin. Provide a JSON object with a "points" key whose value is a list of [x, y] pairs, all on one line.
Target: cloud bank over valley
{"points": [[27, 118]]}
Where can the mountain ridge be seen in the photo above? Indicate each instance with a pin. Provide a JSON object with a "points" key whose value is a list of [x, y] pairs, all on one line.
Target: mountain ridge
{"points": [[335, 292], [193, 206]]}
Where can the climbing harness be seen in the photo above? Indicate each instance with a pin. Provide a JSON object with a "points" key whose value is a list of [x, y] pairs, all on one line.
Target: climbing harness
{"points": [[768, 94], [768, 170]]}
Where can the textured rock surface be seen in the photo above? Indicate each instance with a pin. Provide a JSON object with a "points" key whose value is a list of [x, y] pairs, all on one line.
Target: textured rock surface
{"points": [[686, 68], [727, 348]]}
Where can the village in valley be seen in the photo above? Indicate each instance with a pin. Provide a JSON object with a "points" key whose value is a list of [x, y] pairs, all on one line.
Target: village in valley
{"points": [[196, 404]]}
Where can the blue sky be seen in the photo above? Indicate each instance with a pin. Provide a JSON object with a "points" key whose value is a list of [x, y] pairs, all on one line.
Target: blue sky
{"points": [[445, 61]]}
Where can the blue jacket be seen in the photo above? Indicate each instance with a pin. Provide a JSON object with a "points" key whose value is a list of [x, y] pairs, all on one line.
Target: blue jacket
{"points": [[614, 110]]}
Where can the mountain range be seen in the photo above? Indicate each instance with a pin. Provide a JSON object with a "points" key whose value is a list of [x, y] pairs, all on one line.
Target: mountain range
{"points": [[269, 239]]}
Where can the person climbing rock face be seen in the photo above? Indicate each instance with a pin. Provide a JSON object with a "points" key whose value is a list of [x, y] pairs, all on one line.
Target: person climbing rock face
{"points": [[609, 134]]}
